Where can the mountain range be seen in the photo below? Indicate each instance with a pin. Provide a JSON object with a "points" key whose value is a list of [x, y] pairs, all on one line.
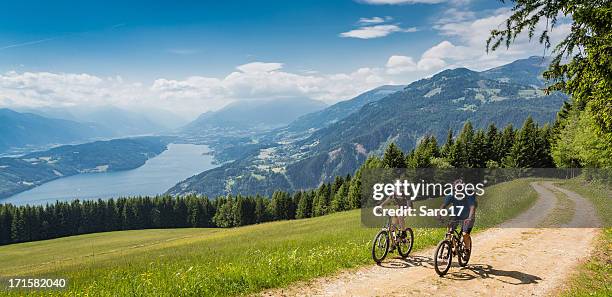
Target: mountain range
{"points": [[25, 130], [115, 121], [248, 116], [21, 130], [336, 140]]}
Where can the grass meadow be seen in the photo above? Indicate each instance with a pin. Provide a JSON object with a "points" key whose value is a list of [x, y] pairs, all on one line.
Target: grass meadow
{"points": [[220, 262]]}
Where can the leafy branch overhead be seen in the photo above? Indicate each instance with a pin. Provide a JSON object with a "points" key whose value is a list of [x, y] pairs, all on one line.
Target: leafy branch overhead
{"points": [[582, 63]]}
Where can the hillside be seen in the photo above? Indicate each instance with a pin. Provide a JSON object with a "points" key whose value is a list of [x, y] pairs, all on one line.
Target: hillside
{"points": [[319, 119], [21, 130], [237, 147], [211, 262], [22, 173], [429, 106]]}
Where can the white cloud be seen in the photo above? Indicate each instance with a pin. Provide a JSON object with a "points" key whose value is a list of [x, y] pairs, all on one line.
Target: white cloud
{"points": [[466, 42], [190, 96], [267, 80], [374, 20], [447, 50], [393, 2], [375, 31], [464, 45], [258, 67], [431, 64], [400, 64], [454, 15], [45, 88]]}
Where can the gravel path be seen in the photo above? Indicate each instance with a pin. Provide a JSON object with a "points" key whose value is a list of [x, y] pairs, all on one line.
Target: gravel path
{"points": [[505, 261]]}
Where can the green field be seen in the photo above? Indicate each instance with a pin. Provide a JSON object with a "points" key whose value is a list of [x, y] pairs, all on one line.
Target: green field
{"points": [[217, 262], [593, 278]]}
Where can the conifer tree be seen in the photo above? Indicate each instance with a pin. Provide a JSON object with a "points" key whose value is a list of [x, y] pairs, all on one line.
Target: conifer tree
{"points": [[394, 157]]}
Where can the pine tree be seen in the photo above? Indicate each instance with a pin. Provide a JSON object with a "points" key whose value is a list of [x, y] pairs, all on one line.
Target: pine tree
{"points": [[260, 210], [425, 151], [18, 226], [4, 238], [448, 145], [491, 141], [478, 154], [394, 157], [338, 203], [304, 209], [530, 148], [224, 217], [321, 201], [338, 181], [505, 143]]}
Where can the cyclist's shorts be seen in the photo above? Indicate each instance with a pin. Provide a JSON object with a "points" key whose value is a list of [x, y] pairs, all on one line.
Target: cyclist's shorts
{"points": [[466, 227]]}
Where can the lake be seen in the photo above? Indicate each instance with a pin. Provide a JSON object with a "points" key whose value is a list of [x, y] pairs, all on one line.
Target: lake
{"points": [[156, 176]]}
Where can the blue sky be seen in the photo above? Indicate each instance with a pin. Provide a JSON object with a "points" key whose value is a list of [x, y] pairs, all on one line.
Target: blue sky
{"points": [[187, 51]]}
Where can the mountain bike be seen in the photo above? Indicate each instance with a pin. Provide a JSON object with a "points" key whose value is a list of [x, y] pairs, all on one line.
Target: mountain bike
{"points": [[389, 238], [451, 245]]}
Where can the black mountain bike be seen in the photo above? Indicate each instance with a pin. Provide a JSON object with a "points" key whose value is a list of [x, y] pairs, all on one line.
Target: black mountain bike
{"points": [[451, 245], [389, 238]]}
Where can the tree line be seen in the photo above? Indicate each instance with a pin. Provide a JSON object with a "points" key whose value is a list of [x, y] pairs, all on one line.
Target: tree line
{"points": [[528, 146], [30, 223]]}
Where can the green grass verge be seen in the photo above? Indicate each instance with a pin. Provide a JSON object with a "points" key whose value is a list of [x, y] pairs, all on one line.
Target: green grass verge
{"points": [[218, 262], [594, 277]]}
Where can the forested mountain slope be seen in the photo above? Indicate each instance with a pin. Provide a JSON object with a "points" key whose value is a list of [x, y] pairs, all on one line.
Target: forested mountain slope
{"points": [[431, 106]]}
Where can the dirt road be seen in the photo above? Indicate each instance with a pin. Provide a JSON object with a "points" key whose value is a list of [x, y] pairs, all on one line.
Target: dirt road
{"points": [[505, 261]]}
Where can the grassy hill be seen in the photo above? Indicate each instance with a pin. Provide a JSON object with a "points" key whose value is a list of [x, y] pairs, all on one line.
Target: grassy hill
{"points": [[218, 262]]}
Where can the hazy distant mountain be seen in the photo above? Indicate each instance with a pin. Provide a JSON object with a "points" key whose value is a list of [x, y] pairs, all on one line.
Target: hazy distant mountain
{"points": [[340, 110], [27, 129], [121, 122], [253, 115], [117, 121], [431, 106]]}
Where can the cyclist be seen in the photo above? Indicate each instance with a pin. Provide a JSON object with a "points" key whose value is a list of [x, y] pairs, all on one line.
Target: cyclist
{"points": [[399, 200], [467, 213]]}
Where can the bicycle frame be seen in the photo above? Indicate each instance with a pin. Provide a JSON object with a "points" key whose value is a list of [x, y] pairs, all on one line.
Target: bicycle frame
{"points": [[452, 244], [394, 230], [454, 234], [390, 226]]}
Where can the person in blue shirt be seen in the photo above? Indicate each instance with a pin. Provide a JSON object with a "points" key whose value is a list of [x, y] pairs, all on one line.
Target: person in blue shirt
{"points": [[465, 211]]}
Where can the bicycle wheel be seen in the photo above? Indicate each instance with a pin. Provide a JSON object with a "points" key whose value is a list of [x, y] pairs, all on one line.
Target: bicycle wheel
{"points": [[464, 254], [443, 257], [404, 246], [380, 246]]}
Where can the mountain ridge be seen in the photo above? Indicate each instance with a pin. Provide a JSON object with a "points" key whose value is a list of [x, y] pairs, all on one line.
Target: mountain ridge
{"points": [[21, 130], [429, 106]]}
